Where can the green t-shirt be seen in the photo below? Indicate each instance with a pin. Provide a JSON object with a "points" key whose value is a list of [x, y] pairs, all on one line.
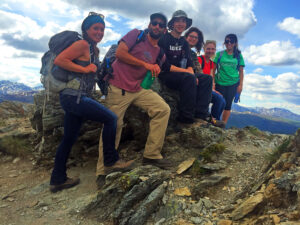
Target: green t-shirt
{"points": [[228, 74]]}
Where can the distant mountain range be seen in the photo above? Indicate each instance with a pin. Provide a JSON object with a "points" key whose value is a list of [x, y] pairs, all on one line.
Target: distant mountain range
{"points": [[273, 112], [275, 120], [13, 91]]}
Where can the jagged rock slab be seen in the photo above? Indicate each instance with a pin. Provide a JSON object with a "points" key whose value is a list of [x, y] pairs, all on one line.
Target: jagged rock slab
{"points": [[126, 191], [185, 165], [148, 206], [248, 206], [213, 180]]}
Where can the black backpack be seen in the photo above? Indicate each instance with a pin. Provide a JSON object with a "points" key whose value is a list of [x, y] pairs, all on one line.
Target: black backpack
{"points": [[105, 72]]}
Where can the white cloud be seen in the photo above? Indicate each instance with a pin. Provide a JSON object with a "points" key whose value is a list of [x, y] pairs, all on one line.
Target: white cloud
{"points": [[235, 16], [264, 87], [258, 70], [26, 26], [291, 25], [274, 53], [19, 69], [110, 35]]}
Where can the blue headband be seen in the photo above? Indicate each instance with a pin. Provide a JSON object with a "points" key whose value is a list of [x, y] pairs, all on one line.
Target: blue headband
{"points": [[90, 20]]}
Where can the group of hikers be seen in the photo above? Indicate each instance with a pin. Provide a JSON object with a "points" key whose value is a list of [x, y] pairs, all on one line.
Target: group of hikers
{"points": [[199, 81]]}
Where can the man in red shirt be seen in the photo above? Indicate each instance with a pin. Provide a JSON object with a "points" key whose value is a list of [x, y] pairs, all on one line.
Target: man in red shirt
{"points": [[129, 70]]}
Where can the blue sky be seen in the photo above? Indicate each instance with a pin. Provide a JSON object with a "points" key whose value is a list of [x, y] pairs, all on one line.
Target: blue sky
{"points": [[268, 32]]}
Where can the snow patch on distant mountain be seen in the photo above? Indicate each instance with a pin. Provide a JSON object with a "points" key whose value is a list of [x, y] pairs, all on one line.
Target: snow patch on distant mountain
{"points": [[13, 91], [272, 112]]}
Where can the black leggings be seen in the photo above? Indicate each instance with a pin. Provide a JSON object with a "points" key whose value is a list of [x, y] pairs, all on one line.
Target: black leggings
{"points": [[228, 93]]}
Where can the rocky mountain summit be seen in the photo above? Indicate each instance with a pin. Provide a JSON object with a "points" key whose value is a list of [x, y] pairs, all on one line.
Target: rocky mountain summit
{"points": [[220, 177]]}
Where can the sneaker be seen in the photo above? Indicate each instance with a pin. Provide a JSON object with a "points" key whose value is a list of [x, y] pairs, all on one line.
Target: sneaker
{"points": [[161, 163], [70, 182], [100, 181], [120, 165]]}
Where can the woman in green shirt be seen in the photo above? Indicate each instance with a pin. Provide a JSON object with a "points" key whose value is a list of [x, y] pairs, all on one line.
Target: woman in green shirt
{"points": [[229, 76]]}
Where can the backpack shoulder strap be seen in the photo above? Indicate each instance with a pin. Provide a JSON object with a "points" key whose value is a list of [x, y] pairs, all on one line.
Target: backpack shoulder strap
{"points": [[141, 37], [202, 62], [219, 59], [220, 56]]}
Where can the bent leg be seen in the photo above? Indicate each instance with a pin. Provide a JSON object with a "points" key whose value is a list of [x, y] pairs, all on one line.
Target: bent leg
{"points": [[72, 124], [93, 110], [204, 94], [118, 104], [228, 93], [218, 105], [159, 113], [185, 83]]}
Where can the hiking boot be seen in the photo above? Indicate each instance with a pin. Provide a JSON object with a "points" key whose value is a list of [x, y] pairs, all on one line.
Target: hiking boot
{"points": [[70, 182], [161, 163], [212, 121], [217, 123], [100, 181], [120, 165]]}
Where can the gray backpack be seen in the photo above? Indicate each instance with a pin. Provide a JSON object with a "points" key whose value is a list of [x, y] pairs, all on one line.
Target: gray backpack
{"points": [[55, 78]]}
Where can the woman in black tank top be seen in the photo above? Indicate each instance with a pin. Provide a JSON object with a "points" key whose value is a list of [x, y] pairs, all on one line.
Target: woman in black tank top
{"points": [[82, 58]]}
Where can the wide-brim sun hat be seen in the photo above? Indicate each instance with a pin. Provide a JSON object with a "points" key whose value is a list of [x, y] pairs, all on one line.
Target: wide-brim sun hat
{"points": [[178, 14]]}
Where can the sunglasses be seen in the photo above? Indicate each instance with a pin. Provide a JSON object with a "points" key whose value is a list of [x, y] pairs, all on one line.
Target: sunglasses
{"points": [[96, 14], [229, 41], [161, 25]]}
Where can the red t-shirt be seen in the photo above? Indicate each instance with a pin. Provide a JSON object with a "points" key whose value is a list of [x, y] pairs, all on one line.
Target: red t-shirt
{"points": [[207, 65]]}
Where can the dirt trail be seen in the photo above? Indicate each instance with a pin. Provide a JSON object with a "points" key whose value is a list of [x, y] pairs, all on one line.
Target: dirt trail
{"points": [[26, 199]]}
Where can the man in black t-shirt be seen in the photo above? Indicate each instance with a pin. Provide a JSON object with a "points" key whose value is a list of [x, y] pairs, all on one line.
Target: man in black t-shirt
{"points": [[194, 99]]}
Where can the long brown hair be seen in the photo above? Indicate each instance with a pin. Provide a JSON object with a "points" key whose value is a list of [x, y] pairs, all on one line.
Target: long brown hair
{"points": [[200, 42]]}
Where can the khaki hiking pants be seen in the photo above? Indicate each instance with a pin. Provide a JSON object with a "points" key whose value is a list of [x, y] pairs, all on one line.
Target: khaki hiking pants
{"points": [[157, 109]]}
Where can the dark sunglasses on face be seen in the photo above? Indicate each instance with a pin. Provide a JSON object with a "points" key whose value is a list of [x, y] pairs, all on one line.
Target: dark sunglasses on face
{"points": [[161, 25], [229, 41]]}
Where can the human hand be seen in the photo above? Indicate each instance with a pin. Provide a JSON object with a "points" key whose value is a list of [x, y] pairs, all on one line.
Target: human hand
{"points": [[218, 92], [91, 68], [190, 70], [154, 68]]}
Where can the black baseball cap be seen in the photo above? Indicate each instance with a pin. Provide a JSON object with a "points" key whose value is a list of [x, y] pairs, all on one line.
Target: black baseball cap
{"points": [[159, 15]]}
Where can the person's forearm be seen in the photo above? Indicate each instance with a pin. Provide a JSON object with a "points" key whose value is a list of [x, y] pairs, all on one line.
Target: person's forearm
{"points": [[69, 65], [241, 73], [190, 70], [179, 69]]}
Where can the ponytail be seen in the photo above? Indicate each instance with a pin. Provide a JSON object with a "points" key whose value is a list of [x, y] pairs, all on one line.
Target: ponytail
{"points": [[236, 52]]}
